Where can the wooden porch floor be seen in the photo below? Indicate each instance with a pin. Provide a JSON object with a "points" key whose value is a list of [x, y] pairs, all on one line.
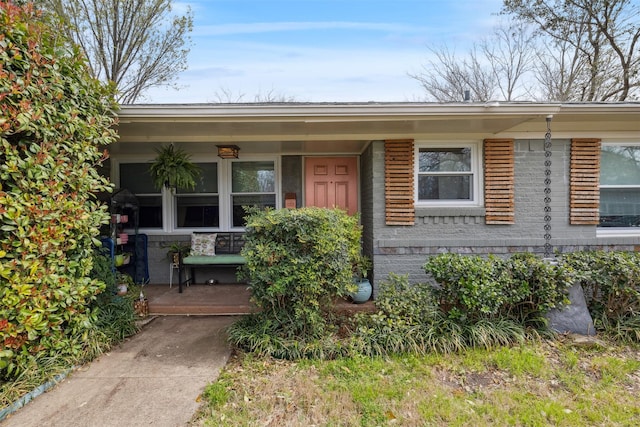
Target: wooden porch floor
{"points": [[220, 300], [215, 300]]}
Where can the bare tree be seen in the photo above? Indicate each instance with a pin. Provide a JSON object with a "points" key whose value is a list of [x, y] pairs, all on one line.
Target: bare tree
{"points": [[446, 78], [496, 66], [558, 70], [511, 53], [226, 95], [605, 34], [136, 44]]}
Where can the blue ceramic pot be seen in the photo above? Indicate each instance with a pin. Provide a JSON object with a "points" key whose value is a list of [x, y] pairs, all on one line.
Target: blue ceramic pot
{"points": [[364, 291]]}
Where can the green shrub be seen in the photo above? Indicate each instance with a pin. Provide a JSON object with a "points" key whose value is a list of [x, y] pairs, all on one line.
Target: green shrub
{"points": [[409, 320], [54, 120], [115, 315], [611, 282], [521, 288], [298, 262], [264, 336]]}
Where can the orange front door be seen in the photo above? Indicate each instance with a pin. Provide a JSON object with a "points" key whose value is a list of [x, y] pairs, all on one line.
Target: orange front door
{"points": [[332, 182]]}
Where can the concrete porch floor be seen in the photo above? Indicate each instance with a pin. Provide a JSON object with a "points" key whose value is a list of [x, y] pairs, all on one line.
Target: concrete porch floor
{"points": [[216, 300]]}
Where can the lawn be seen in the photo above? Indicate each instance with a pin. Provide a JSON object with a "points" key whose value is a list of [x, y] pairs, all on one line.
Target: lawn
{"points": [[560, 383]]}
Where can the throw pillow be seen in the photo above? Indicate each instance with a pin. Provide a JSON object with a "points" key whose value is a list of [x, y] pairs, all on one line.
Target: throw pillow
{"points": [[203, 244]]}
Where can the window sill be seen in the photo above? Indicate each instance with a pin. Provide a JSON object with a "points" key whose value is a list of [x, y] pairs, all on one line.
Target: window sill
{"points": [[617, 232], [431, 211]]}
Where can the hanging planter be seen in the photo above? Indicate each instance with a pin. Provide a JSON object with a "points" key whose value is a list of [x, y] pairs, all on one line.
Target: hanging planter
{"points": [[172, 168]]}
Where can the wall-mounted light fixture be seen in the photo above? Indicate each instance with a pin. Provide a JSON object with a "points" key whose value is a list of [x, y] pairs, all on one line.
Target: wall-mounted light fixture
{"points": [[228, 151]]}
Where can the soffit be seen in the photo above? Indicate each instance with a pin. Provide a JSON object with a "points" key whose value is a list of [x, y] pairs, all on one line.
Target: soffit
{"points": [[364, 122]]}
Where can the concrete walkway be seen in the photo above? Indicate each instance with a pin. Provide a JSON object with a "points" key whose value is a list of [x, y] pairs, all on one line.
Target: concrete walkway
{"points": [[155, 378]]}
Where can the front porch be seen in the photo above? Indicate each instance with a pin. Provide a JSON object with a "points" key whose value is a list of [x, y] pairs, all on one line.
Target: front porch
{"points": [[215, 300], [211, 300]]}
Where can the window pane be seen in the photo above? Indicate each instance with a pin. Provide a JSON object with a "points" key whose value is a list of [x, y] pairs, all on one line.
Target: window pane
{"points": [[263, 200], [253, 177], [208, 181], [620, 165], [149, 212], [619, 207], [445, 160], [438, 187], [136, 178], [198, 211]]}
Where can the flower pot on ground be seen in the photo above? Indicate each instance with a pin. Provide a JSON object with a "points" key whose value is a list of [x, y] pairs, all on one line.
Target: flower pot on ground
{"points": [[123, 282], [122, 288], [364, 289], [141, 306]]}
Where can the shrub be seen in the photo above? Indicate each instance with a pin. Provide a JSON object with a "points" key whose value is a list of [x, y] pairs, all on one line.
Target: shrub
{"points": [[611, 282], [115, 315], [521, 288], [53, 120], [298, 262], [410, 321]]}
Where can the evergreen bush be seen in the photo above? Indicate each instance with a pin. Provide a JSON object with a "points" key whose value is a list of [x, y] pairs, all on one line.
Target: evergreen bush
{"points": [[410, 320], [54, 122], [522, 287], [298, 262], [611, 283]]}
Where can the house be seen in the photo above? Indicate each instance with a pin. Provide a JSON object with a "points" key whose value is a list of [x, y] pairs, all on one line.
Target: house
{"points": [[426, 178]]}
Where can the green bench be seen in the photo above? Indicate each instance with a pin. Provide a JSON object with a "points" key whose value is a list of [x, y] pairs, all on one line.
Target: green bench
{"points": [[226, 254]]}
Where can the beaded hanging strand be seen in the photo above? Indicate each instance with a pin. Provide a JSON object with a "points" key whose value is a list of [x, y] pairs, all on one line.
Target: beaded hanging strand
{"points": [[548, 248]]}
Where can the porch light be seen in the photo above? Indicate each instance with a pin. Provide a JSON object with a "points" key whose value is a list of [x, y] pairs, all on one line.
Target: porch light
{"points": [[228, 151]]}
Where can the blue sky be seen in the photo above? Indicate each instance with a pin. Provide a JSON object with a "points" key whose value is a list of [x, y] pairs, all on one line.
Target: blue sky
{"points": [[320, 50]]}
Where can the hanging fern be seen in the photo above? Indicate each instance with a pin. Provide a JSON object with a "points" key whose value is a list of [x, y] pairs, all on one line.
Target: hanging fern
{"points": [[173, 168]]}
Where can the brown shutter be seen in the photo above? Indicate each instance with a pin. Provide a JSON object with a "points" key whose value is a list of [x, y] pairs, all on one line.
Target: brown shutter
{"points": [[398, 182], [499, 188], [585, 181]]}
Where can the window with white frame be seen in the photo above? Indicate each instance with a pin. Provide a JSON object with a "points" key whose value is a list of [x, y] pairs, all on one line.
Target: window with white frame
{"points": [[199, 207], [225, 187], [135, 177], [620, 185], [253, 183], [447, 174]]}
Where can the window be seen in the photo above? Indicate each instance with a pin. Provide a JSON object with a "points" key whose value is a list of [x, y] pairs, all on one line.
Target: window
{"points": [[620, 185], [252, 184], [217, 202], [199, 207], [447, 175], [135, 177]]}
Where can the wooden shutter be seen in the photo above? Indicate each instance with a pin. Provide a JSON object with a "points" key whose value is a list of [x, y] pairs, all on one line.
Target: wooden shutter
{"points": [[398, 182], [499, 175], [585, 181]]}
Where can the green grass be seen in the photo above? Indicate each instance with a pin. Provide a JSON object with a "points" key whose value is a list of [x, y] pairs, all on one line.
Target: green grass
{"points": [[535, 384]]}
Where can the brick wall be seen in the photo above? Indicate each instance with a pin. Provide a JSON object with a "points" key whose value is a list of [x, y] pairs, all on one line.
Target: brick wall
{"points": [[404, 249]]}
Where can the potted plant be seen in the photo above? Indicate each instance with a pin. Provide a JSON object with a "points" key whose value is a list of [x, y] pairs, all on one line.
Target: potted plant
{"points": [[360, 271], [123, 282], [172, 168], [177, 251]]}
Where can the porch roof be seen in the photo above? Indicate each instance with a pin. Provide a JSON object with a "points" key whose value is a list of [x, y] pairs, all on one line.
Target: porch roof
{"points": [[363, 122]]}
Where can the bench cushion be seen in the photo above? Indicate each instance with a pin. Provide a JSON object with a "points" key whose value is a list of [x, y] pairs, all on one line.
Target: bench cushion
{"points": [[224, 259]]}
